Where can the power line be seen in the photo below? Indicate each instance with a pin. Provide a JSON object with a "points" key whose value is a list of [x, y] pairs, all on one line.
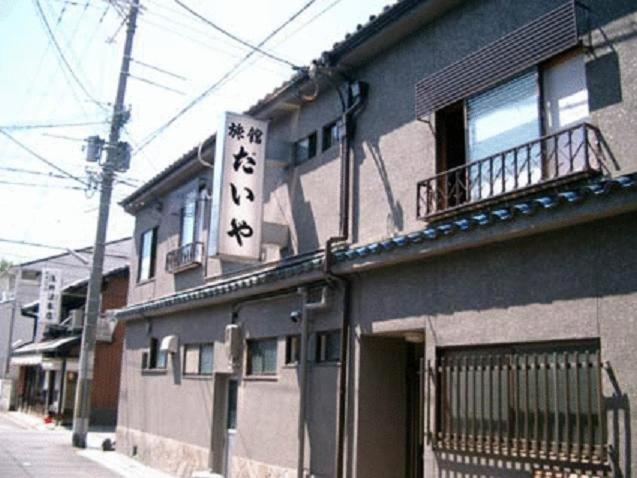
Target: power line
{"points": [[158, 85], [30, 171], [41, 158], [82, 250], [61, 53], [36, 185], [160, 70], [51, 125], [214, 86], [234, 37]]}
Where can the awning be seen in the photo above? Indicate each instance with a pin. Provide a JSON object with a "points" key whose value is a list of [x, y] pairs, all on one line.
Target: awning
{"points": [[23, 360], [47, 346]]}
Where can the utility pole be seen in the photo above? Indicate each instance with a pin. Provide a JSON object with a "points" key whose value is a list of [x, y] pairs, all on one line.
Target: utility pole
{"points": [[14, 306], [113, 161]]}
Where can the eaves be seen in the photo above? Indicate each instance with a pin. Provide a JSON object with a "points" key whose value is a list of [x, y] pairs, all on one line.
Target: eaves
{"points": [[551, 210]]}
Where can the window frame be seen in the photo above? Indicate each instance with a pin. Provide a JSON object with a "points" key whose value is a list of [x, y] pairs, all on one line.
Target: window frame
{"points": [[292, 349], [153, 357], [191, 197], [199, 347], [322, 354], [153, 231], [250, 343], [312, 147], [329, 135]]}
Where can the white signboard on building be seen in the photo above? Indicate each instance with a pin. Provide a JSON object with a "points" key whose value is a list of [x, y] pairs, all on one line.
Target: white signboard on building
{"points": [[50, 296], [237, 190]]}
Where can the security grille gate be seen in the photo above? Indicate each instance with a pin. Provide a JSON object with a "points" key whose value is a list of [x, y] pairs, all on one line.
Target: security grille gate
{"points": [[537, 404]]}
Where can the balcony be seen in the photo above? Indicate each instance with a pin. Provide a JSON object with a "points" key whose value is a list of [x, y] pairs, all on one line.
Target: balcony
{"points": [[184, 257], [568, 155]]}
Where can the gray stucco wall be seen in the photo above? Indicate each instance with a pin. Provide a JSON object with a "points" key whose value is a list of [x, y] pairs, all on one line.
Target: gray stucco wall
{"points": [[176, 410], [579, 283]]}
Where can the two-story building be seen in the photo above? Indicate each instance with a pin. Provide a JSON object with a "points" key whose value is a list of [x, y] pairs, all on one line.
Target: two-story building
{"points": [[21, 284], [446, 285]]}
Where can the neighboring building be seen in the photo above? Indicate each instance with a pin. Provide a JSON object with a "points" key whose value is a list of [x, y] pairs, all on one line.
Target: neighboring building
{"points": [[20, 285], [461, 263], [48, 368]]}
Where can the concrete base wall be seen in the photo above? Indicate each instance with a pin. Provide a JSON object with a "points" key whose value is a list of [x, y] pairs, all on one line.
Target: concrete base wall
{"points": [[172, 456], [7, 395], [245, 468]]}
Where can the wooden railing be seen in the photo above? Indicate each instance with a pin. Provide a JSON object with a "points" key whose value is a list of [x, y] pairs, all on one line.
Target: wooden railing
{"points": [[565, 155], [184, 257]]}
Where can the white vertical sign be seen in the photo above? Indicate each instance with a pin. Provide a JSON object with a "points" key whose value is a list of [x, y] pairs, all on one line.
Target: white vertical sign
{"points": [[237, 190], [50, 296]]}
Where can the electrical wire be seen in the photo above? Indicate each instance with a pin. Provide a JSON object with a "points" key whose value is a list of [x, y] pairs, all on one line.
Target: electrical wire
{"points": [[61, 53], [41, 158], [36, 185], [30, 171], [150, 138], [234, 37], [12, 127]]}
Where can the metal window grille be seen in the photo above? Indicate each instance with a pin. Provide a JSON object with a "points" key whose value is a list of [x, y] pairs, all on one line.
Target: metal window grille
{"points": [[546, 406]]}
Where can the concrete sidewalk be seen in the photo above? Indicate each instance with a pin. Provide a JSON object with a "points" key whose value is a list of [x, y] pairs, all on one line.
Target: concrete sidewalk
{"points": [[111, 460]]}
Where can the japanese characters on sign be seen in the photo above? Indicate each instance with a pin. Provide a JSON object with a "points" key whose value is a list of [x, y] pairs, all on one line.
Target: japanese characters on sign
{"points": [[237, 193], [50, 296]]}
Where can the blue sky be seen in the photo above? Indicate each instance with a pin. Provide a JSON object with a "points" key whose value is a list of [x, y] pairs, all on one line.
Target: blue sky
{"points": [[37, 89]]}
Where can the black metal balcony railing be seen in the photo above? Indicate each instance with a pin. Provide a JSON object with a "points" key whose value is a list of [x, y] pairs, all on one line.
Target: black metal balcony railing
{"points": [[184, 256], [565, 155]]}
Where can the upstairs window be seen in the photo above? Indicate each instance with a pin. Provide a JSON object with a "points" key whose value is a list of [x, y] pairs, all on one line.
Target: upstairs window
{"points": [[147, 255], [305, 148], [526, 130], [188, 220]]}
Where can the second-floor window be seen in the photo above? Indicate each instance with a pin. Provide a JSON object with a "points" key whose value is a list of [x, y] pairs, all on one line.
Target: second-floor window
{"points": [[188, 220], [147, 255]]}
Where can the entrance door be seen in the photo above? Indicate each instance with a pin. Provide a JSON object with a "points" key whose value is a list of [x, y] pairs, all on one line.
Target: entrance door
{"points": [[390, 410], [231, 425]]}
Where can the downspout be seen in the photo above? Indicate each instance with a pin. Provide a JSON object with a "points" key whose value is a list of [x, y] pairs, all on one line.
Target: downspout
{"points": [[344, 220], [306, 308]]}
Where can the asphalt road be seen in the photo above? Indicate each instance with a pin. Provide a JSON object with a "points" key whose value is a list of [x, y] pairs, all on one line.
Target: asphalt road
{"points": [[28, 453]]}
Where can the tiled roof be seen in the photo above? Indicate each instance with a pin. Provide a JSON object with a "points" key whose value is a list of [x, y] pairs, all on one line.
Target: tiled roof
{"points": [[537, 204]]}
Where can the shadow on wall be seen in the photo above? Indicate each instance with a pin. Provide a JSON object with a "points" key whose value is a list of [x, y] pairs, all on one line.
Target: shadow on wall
{"points": [[395, 219], [302, 216], [618, 414]]}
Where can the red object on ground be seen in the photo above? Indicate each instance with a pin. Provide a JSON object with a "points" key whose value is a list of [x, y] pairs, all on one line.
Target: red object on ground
{"points": [[48, 420]]}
